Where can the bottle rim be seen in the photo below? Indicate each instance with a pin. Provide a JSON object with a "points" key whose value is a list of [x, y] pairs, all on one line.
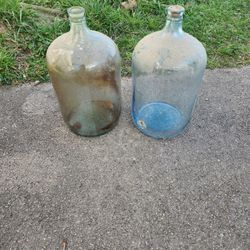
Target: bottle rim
{"points": [[175, 12], [76, 13]]}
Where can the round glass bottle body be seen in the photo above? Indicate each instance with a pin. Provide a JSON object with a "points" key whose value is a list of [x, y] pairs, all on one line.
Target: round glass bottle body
{"points": [[85, 70], [168, 67]]}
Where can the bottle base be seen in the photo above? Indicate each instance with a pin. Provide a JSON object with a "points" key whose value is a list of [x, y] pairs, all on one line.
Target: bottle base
{"points": [[159, 120], [95, 133], [92, 124]]}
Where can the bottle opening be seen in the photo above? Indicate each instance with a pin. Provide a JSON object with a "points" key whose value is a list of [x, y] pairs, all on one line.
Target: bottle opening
{"points": [[76, 14], [175, 12]]}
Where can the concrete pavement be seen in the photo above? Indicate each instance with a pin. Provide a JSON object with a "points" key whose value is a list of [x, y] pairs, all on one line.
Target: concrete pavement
{"points": [[124, 190]]}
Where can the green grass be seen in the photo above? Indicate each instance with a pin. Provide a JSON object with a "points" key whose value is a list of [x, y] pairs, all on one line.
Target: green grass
{"points": [[221, 25]]}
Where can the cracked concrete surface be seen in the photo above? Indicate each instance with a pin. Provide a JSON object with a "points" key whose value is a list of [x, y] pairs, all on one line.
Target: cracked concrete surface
{"points": [[124, 190]]}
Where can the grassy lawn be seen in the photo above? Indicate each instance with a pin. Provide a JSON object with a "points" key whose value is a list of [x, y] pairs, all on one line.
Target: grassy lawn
{"points": [[223, 26]]}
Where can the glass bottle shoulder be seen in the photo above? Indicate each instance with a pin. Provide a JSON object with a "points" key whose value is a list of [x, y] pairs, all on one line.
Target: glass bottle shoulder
{"points": [[165, 50], [70, 51]]}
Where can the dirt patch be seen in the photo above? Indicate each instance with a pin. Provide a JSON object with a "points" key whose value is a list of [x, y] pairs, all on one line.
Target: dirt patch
{"points": [[3, 28]]}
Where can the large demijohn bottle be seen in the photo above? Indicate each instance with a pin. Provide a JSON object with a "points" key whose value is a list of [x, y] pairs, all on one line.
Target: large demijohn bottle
{"points": [[168, 68], [84, 68]]}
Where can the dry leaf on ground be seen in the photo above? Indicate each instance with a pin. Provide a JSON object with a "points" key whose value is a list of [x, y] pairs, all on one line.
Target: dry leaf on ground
{"points": [[129, 5]]}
